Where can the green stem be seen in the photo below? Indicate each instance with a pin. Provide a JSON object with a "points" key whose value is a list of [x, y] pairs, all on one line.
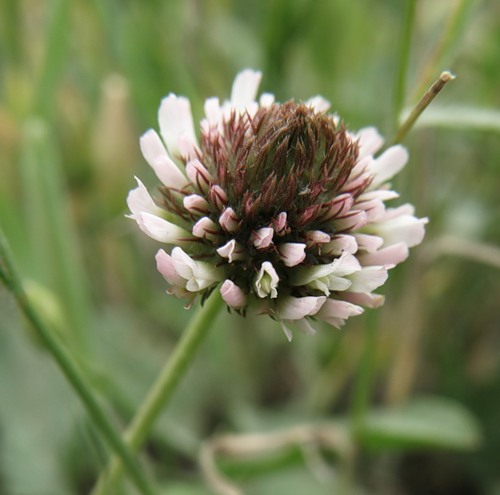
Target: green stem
{"points": [[404, 59], [70, 370], [162, 389], [424, 102]]}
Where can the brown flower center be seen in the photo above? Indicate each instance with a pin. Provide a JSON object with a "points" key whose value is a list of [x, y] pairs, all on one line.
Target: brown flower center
{"points": [[287, 157]]}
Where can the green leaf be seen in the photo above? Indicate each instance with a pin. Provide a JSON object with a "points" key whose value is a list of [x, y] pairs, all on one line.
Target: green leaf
{"points": [[426, 422], [461, 117]]}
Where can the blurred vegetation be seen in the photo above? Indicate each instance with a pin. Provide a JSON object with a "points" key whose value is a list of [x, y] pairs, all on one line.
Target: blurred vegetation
{"points": [[81, 80]]}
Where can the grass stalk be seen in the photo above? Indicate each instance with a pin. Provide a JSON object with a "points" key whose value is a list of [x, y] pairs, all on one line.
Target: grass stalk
{"points": [[403, 60], [70, 369]]}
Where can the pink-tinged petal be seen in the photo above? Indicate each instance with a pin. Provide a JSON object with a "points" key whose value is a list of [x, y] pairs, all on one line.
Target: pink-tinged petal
{"points": [[262, 238], [381, 194], [335, 312], [368, 279], [206, 128], [195, 204], [176, 121], [218, 196], [345, 265], [280, 223], [266, 100], [352, 221], [168, 173], [183, 263], [318, 104], [206, 228], [139, 200], [360, 168], [339, 244], [368, 242], [292, 253], [339, 207], [156, 155], [296, 308], [232, 250], [266, 281], [356, 182], [406, 209], [233, 295], [229, 221], [165, 266], [388, 257], [364, 299], [245, 88], [370, 141], [198, 274], [374, 208], [161, 230], [314, 237], [213, 111], [388, 164], [404, 228], [340, 309], [198, 175], [188, 148]]}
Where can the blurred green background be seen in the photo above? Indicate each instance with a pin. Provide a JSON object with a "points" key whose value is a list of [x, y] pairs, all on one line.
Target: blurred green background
{"points": [[81, 80]]}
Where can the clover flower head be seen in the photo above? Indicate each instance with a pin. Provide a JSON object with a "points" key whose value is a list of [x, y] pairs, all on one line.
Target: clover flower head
{"points": [[277, 205]]}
